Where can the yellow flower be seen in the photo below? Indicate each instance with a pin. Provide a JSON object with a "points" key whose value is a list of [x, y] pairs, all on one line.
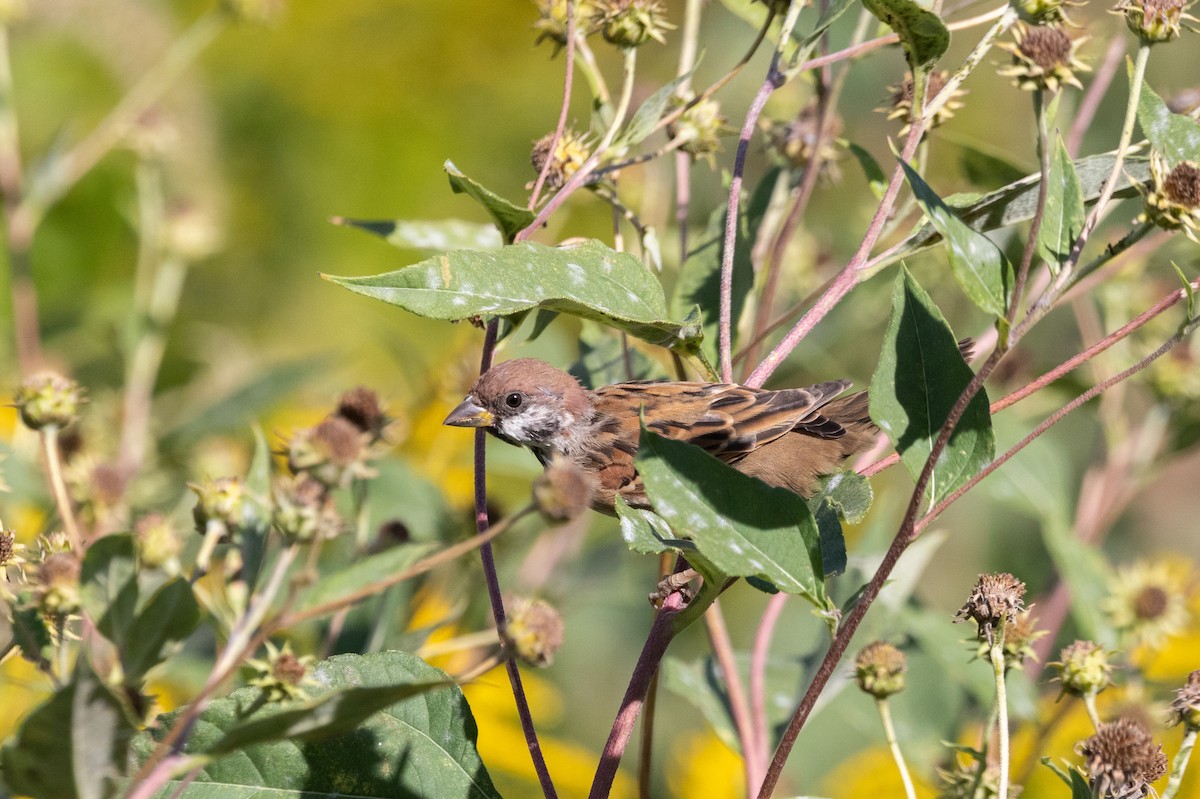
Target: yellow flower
{"points": [[702, 765], [1147, 601]]}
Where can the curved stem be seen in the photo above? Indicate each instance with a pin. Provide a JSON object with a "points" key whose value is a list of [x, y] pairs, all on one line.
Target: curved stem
{"points": [[1179, 766], [996, 653], [718, 635], [58, 487], [1089, 705], [889, 732], [564, 108], [758, 677]]}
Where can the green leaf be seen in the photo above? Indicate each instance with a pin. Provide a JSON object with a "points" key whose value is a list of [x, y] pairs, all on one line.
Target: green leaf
{"points": [[647, 533], [72, 746], [441, 235], [1176, 137], [168, 617], [740, 525], [30, 632], [1063, 219], [978, 265], [256, 515], [701, 684], [922, 34], [985, 169], [699, 282], [649, 113], [603, 359], [108, 586], [876, 180], [421, 746], [510, 219], [590, 280], [920, 376], [845, 495], [829, 16], [336, 713], [1017, 202], [360, 573]]}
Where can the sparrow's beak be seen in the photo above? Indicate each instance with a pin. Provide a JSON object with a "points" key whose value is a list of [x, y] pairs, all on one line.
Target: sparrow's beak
{"points": [[470, 414]]}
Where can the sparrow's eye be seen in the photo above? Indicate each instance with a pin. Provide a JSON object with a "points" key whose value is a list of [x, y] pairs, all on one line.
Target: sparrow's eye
{"points": [[513, 400]]}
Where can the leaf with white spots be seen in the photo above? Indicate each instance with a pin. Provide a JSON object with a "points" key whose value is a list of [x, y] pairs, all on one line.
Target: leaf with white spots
{"points": [[430, 236], [739, 525], [589, 280]]}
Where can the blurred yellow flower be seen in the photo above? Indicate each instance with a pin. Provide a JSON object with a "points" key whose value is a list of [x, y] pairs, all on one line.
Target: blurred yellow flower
{"points": [[702, 765], [871, 772]]}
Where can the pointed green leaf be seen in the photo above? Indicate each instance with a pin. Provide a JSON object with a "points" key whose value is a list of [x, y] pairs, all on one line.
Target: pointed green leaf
{"points": [[603, 359], [986, 169], [168, 617], [441, 235], [922, 34], [108, 586], [647, 533], [510, 218], [1063, 218], [845, 495], [590, 280], [1176, 137], [920, 376], [740, 525], [649, 112], [978, 265], [421, 746], [876, 180], [72, 746], [336, 713], [1017, 202], [30, 631]]}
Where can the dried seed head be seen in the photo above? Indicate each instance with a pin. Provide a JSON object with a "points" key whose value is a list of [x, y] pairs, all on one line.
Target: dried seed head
{"points": [[798, 143], [533, 631], [48, 400], [1044, 57], [1173, 200], [569, 155], [699, 129], [58, 584], [303, 509], [1083, 669], [879, 669], [972, 780], [1154, 21], [1185, 707], [995, 600], [631, 23], [334, 452], [158, 543], [7, 546], [900, 104], [360, 407], [1122, 760], [562, 491]]}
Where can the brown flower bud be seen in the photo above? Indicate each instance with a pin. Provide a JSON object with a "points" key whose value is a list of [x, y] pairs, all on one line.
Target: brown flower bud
{"points": [[879, 669], [995, 600], [1154, 21], [58, 584], [1185, 707], [533, 631], [1122, 759], [360, 407], [562, 491], [1044, 57], [303, 509], [569, 155]]}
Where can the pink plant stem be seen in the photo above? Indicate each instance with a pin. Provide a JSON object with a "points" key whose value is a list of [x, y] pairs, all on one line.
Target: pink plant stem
{"points": [[1096, 91], [773, 81], [847, 279], [493, 583], [722, 646], [758, 682], [661, 633], [568, 82]]}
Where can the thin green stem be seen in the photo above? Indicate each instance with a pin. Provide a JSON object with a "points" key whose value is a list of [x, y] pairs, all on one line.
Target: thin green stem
{"points": [[1180, 764], [889, 732], [629, 71], [997, 657], [1089, 705]]}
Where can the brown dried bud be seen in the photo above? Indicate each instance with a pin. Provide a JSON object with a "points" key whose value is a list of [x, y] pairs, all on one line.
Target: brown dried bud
{"points": [[533, 631], [281, 675], [1043, 58], [1185, 707], [7, 546], [569, 155], [333, 452], [995, 600], [879, 669], [563, 491], [900, 105], [1122, 760], [58, 584], [1173, 202], [303, 509], [360, 407], [1154, 21]]}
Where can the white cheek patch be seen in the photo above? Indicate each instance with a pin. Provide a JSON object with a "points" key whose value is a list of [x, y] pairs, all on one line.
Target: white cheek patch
{"points": [[534, 425]]}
